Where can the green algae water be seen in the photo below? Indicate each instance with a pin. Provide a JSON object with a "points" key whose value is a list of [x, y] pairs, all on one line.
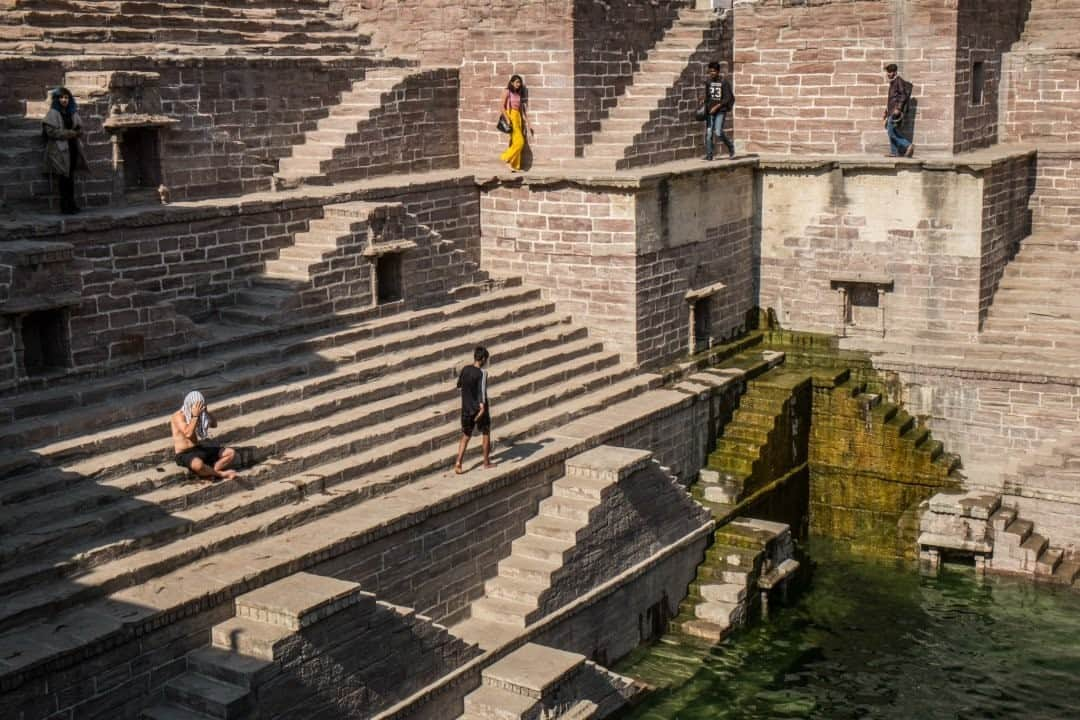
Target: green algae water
{"points": [[873, 639]]}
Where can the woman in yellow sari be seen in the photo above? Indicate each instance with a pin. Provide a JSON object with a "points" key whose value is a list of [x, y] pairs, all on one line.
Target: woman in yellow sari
{"points": [[515, 100]]}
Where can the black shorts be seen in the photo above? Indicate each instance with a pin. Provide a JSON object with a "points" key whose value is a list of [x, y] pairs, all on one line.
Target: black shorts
{"points": [[209, 454], [470, 425]]}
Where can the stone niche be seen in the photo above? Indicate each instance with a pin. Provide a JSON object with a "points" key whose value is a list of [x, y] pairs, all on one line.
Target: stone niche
{"points": [[38, 287], [385, 249], [861, 303]]}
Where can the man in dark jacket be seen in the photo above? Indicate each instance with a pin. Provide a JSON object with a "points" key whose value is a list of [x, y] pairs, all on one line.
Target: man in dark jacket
{"points": [[718, 102], [896, 106]]}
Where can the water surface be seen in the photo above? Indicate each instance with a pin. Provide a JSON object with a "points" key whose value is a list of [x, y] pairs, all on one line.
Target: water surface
{"points": [[874, 639]]}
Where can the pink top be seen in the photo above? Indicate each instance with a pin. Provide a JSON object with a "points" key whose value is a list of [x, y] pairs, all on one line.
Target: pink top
{"points": [[513, 100]]}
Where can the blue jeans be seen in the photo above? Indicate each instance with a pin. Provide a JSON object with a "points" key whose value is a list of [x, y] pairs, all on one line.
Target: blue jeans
{"points": [[898, 144], [714, 127]]}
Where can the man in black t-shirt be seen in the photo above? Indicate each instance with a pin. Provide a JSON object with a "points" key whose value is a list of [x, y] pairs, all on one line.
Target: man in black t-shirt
{"points": [[475, 412], [718, 101]]}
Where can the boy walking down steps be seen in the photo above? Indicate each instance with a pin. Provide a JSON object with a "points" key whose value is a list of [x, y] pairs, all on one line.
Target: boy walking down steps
{"points": [[475, 412]]}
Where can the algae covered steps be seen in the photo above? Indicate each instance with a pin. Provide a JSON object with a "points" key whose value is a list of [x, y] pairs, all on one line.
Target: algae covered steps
{"points": [[766, 438], [747, 558]]}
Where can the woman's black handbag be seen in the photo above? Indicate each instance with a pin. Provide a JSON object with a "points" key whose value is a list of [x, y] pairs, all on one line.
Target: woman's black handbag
{"points": [[503, 125]]}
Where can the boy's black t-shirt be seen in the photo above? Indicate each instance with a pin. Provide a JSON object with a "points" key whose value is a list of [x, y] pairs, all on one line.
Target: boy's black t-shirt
{"points": [[473, 389], [719, 91]]}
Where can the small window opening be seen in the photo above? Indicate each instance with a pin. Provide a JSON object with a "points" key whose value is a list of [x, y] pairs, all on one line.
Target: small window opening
{"points": [[978, 77], [142, 158], [702, 325], [388, 274], [45, 343]]}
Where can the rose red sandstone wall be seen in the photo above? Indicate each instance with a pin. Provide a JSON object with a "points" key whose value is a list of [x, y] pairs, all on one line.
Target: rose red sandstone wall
{"points": [[142, 282], [809, 77], [1042, 97], [986, 30], [1056, 203], [943, 237], [693, 231], [546, 65], [1006, 220], [443, 32], [610, 41], [621, 261]]}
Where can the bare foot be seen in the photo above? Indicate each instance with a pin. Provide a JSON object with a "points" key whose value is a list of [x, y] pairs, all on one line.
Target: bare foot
{"points": [[229, 474], [488, 466], [458, 470]]}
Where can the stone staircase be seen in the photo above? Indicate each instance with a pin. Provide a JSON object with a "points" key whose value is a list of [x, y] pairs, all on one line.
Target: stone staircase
{"points": [[976, 523], [536, 681], [747, 559], [1037, 304], [91, 503], [331, 267], [1051, 26], [184, 27], [260, 663], [664, 91], [755, 447], [354, 142]]}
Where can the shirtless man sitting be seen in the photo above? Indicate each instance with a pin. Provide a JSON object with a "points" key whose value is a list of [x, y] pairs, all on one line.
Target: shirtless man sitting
{"points": [[190, 428]]}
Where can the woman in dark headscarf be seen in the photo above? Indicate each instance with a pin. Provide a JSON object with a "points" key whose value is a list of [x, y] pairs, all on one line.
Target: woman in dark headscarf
{"points": [[62, 129]]}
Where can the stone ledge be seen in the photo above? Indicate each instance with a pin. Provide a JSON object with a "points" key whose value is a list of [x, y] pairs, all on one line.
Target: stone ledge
{"points": [[974, 161]]}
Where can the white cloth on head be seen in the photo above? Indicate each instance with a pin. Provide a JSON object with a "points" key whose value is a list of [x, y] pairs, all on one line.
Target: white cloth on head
{"points": [[202, 430]]}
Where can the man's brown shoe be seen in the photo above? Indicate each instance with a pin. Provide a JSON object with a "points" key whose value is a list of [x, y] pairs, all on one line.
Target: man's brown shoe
{"points": [[910, 150]]}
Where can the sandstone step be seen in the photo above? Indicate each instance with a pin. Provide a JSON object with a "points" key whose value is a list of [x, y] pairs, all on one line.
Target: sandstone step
{"points": [[554, 527], [541, 548], [500, 610], [515, 588], [49, 416], [1048, 561], [492, 703], [1015, 534], [719, 613], [487, 635], [730, 593], [534, 671], [55, 47], [582, 488], [230, 667], [301, 459], [250, 638], [567, 508], [400, 465], [168, 711], [535, 571], [208, 696], [706, 630]]}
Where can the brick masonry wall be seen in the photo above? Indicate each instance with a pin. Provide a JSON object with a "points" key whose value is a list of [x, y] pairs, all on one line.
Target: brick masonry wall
{"points": [[610, 41], [673, 133], [232, 130], [622, 261], [809, 77], [575, 243], [986, 30], [1042, 97], [546, 64], [923, 229], [997, 422], [1056, 202], [1006, 220], [442, 33], [693, 232], [144, 282]]}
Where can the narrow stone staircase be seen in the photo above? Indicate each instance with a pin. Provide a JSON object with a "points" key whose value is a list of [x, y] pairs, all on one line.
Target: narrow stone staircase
{"points": [[1036, 308], [976, 524], [536, 682], [756, 445], [332, 267], [325, 420], [662, 93], [748, 558], [1051, 26], [186, 27], [601, 506], [384, 124], [265, 661]]}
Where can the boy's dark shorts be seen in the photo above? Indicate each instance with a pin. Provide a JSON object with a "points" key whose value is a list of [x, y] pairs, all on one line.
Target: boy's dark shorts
{"points": [[209, 454], [470, 425]]}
